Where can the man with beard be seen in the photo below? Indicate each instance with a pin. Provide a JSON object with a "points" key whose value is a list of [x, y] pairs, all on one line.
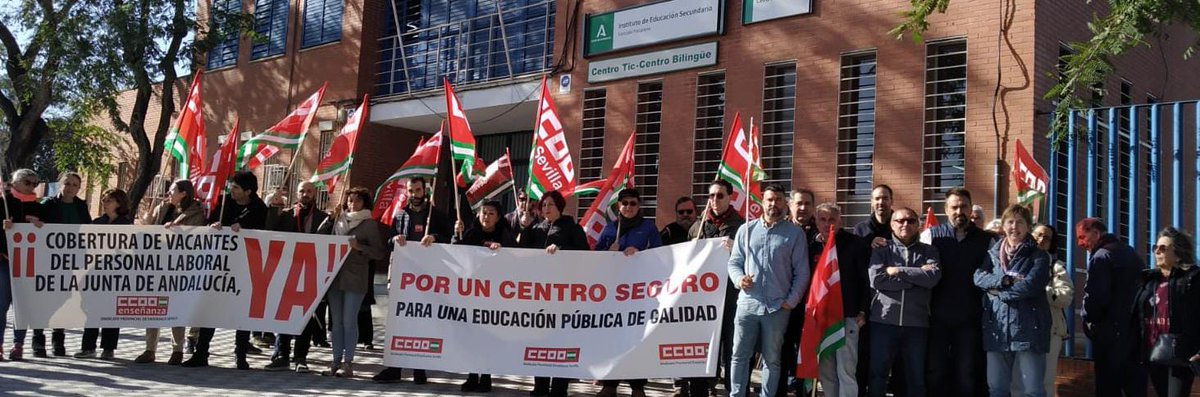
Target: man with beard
{"points": [[301, 217], [800, 211], [685, 217], [769, 261], [956, 362], [877, 230], [419, 221], [524, 206], [243, 210], [720, 220]]}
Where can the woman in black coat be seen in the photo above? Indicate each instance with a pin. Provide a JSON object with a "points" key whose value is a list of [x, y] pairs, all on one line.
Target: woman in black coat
{"points": [[1165, 305], [486, 231], [114, 204], [555, 232], [66, 208]]}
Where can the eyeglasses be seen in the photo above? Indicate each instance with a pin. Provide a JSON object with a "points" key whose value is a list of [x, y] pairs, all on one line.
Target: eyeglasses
{"points": [[902, 221], [686, 212], [629, 203], [717, 196], [1162, 247]]}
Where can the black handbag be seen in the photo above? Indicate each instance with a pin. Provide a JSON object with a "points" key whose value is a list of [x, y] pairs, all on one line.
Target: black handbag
{"points": [[1168, 350]]}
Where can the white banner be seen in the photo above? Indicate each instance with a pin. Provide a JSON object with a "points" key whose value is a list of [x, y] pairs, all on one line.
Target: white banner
{"points": [[74, 276], [574, 314]]}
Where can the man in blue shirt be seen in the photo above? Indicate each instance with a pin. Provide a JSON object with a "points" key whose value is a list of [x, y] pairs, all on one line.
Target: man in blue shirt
{"points": [[769, 264]]}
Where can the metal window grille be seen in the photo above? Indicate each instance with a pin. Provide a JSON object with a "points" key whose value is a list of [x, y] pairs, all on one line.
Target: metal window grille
{"points": [[1123, 160], [473, 41], [944, 160], [323, 195], [645, 148], [591, 151], [709, 135], [856, 136], [778, 122], [273, 175], [270, 22]]}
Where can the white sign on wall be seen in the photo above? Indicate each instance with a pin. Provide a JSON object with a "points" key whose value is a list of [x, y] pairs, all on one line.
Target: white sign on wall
{"points": [[763, 10], [669, 60], [653, 23]]}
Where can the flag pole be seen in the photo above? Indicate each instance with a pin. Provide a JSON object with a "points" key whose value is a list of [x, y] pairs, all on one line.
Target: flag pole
{"points": [[514, 186], [537, 119], [746, 178], [429, 217], [457, 210]]}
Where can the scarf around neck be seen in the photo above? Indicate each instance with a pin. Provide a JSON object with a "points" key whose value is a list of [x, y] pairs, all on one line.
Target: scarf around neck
{"points": [[627, 224], [350, 220]]}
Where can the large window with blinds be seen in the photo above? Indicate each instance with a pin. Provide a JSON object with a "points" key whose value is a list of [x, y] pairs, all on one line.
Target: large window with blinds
{"points": [[778, 122], [591, 147], [943, 160], [224, 53], [648, 124], [856, 136], [322, 22], [270, 24], [470, 41], [708, 140]]}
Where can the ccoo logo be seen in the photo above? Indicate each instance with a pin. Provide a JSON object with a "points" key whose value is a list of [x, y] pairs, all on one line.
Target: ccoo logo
{"points": [[551, 355], [683, 351], [416, 345], [156, 306]]}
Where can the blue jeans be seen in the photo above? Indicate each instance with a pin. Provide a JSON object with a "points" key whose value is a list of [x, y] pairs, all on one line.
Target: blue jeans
{"points": [[767, 331], [910, 343], [343, 308], [5, 302], [1031, 370]]}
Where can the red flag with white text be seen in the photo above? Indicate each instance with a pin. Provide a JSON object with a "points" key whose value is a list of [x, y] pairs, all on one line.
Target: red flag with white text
{"points": [[603, 209], [550, 165]]}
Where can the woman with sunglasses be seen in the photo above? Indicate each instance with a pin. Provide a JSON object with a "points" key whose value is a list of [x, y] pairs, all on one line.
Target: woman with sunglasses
{"points": [[21, 206], [1165, 309], [632, 233], [1016, 314]]}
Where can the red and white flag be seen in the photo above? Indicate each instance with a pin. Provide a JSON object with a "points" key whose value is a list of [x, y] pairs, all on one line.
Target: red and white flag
{"points": [[288, 133], [824, 323], [211, 185], [497, 179], [341, 152], [186, 141], [739, 167], [603, 209], [550, 166]]}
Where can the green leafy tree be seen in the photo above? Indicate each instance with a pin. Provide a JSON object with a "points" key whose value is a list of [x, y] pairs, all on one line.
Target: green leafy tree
{"points": [[1127, 25]]}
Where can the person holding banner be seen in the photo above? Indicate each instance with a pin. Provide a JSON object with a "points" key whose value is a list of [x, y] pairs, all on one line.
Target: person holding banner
{"points": [[240, 209], [632, 233], [488, 232], [65, 208], [720, 220], [114, 203], [20, 206], [555, 232], [685, 216], [303, 217], [770, 263], [180, 209], [352, 219], [418, 221]]}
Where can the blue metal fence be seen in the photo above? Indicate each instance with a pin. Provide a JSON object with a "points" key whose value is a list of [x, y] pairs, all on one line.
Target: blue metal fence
{"points": [[1142, 150]]}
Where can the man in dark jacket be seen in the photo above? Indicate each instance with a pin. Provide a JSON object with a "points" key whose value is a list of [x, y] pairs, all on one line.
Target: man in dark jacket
{"points": [[903, 273], [956, 362], [243, 209], [1108, 298], [685, 217], [419, 221], [301, 217], [719, 220], [69, 209], [878, 229], [523, 206]]}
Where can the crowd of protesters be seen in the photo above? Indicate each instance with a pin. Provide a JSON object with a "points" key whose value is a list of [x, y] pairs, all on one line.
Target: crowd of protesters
{"points": [[953, 310]]}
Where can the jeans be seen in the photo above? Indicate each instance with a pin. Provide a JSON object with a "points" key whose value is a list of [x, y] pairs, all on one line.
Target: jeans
{"points": [[1171, 381], [343, 307], [911, 344], [1051, 370], [838, 373], [955, 359], [1031, 369], [6, 301], [767, 330], [789, 351]]}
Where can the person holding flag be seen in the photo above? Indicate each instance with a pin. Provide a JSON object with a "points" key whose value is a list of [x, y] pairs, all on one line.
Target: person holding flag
{"points": [[632, 233], [20, 206], [769, 263], [719, 219], [241, 208], [956, 362], [837, 370]]}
